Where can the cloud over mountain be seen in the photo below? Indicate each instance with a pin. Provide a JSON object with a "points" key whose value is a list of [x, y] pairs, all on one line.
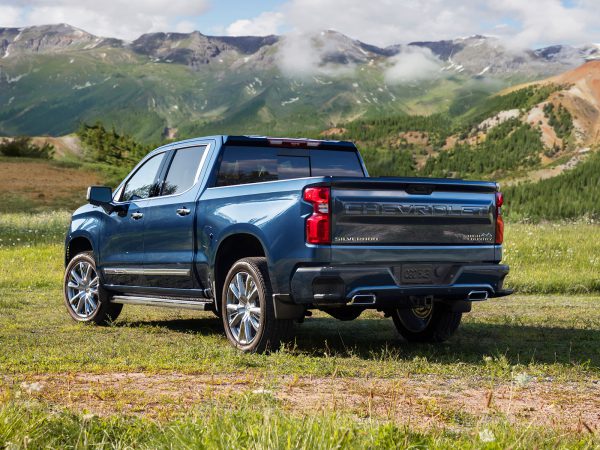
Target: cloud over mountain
{"points": [[386, 22], [126, 19]]}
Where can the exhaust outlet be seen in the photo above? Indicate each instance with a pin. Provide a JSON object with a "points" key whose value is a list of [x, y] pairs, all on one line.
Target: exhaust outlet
{"points": [[476, 296], [363, 299]]}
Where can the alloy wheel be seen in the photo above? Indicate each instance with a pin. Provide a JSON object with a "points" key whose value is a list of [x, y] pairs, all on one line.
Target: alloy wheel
{"points": [[243, 308], [82, 290]]}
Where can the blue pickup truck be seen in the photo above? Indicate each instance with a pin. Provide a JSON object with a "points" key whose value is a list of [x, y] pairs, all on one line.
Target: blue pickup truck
{"points": [[263, 230]]}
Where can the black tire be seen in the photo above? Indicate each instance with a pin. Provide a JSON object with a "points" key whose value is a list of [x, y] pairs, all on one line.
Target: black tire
{"points": [[436, 324], [104, 311], [243, 309]]}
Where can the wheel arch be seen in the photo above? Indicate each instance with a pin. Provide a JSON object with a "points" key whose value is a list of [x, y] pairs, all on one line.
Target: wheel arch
{"points": [[77, 244], [235, 246]]}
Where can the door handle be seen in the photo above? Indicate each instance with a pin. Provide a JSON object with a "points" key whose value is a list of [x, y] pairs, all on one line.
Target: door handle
{"points": [[137, 215], [183, 211]]}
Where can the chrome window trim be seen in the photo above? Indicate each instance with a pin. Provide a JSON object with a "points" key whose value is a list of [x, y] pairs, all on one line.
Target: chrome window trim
{"points": [[141, 271], [120, 188]]}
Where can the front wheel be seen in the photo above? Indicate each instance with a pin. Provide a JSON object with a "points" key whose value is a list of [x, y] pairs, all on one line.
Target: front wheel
{"points": [[247, 308], [432, 323], [85, 298]]}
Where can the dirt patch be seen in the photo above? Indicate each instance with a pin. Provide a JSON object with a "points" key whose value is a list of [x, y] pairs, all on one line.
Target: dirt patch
{"points": [[537, 119], [43, 183], [336, 131], [424, 400]]}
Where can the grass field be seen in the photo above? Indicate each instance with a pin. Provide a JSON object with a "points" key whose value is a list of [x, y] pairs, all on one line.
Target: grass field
{"points": [[522, 371]]}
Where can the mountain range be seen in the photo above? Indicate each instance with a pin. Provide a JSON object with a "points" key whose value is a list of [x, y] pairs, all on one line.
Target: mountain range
{"points": [[54, 77]]}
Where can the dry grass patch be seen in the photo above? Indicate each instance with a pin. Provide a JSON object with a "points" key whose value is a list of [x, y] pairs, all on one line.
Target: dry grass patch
{"points": [[422, 401], [43, 184]]}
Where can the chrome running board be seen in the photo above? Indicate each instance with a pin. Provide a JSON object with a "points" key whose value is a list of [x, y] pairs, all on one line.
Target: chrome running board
{"points": [[199, 305]]}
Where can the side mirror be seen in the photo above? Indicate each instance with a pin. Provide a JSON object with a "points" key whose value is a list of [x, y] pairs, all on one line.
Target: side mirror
{"points": [[100, 196]]}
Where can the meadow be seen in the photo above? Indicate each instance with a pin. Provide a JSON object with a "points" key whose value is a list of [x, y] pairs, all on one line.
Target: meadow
{"points": [[522, 371]]}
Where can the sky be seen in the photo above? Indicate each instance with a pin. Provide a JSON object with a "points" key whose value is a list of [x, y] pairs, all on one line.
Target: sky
{"points": [[522, 23]]}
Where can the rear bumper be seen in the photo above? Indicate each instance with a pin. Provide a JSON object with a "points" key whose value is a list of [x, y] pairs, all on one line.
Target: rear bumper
{"points": [[379, 286]]}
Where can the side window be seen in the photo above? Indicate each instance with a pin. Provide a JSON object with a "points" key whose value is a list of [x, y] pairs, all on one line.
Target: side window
{"points": [[241, 165], [183, 170], [143, 182]]}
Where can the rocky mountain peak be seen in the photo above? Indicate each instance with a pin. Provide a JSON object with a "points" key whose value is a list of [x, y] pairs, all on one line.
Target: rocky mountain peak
{"points": [[476, 55], [49, 39], [196, 48]]}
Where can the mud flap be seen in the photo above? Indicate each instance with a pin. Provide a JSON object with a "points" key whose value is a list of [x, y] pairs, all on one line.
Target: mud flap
{"points": [[286, 309]]}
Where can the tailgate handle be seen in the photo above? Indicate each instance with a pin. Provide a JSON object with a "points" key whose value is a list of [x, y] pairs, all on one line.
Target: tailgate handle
{"points": [[419, 189]]}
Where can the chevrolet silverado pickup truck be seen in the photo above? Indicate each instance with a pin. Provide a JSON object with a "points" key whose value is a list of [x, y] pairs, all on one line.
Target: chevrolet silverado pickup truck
{"points": [[263, 230]]}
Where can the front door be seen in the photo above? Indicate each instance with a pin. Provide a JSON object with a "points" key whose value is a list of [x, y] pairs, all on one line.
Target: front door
{"points": [[121, 253], [169, 229]]}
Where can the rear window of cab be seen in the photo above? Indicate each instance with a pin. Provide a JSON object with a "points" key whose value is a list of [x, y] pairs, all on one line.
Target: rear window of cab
{"points": [[244, 164]]}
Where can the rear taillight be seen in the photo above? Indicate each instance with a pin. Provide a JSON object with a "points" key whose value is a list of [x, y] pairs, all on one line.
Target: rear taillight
{"points": [[318, 224], [499, 220]]}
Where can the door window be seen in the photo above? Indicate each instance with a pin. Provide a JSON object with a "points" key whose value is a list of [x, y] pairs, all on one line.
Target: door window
{"points": [[183, 171], [143, 183]]}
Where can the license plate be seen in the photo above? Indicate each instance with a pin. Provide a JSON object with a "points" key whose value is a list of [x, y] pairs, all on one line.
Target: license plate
{"points": [[417, 274]]}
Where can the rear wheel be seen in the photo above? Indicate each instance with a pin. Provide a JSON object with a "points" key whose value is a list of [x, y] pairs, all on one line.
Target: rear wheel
{"points": [[247, 308], [431, 323], [85, 298]]}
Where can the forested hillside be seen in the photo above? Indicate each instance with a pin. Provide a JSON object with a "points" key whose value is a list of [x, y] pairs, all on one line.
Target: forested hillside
{"points": [[494, 139], [570, 195]]}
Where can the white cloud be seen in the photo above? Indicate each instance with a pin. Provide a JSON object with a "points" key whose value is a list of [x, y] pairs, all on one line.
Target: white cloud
{"points": [[385, 22], [379, 22], [125, 19], [185, 26], [263, 25], [301, 55], [297, 56], [549, 21], [9, 15], [413, 64]]}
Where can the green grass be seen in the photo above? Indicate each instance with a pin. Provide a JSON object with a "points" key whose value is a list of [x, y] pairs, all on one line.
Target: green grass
{"points": [[553, 257], [542, 334], [256, 427], [550, 339]]}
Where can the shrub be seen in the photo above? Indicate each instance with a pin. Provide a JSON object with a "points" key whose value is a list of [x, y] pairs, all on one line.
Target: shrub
{"points": [[22, 146]]}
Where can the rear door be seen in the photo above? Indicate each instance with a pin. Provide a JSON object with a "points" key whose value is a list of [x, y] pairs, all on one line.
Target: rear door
{"points": [[169, 244]]}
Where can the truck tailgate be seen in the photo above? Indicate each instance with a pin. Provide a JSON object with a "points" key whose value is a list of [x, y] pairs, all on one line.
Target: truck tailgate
{"points": [[412, 212]]}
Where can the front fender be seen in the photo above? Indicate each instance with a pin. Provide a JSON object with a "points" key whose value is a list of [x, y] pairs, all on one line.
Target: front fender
{"points": [[86, 223]]}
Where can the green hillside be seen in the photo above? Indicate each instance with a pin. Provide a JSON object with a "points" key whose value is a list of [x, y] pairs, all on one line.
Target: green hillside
{"points": [[53, 93]]}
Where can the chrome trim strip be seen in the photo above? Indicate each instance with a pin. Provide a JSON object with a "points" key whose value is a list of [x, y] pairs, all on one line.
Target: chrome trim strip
{"points": [[200, 305], [117, 271], [140, 271], [174, 272], [205, 144]]}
